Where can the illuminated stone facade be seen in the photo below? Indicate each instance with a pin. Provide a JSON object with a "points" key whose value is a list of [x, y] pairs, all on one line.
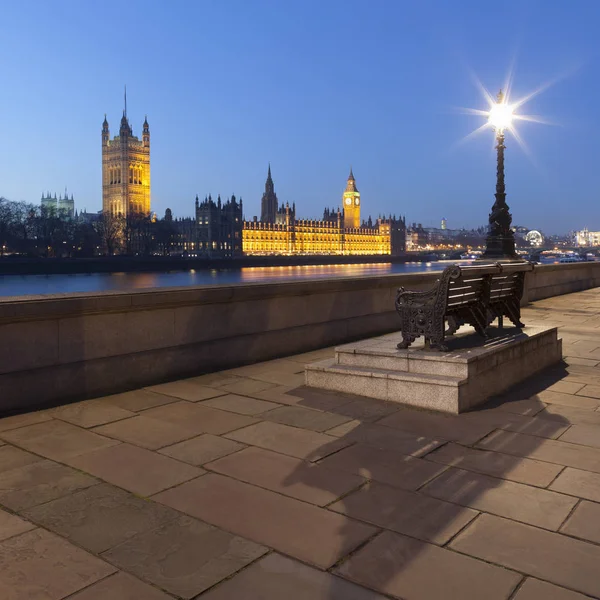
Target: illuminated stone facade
{"points": [[125, 170], [337, 233]]}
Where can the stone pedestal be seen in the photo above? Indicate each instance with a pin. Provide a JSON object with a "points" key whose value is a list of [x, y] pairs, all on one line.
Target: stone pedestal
{"points": [[472, 371]]}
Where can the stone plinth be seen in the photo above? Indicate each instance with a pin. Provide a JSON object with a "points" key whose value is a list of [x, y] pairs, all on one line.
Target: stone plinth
{"points": [[472, 371]]}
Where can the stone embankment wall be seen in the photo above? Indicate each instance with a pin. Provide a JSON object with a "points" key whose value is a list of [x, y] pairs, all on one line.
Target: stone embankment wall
{"points": [[61, 348]]}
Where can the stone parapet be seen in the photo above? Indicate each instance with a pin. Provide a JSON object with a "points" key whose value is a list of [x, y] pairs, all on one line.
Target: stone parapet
{"points": [[66, 347]]}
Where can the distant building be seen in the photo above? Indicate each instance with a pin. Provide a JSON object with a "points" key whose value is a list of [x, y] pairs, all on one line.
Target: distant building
{"points": [[125, 170], [587, 238], [269, 204], [337, 233], [444, 223], [61, 206], [219, 227]]}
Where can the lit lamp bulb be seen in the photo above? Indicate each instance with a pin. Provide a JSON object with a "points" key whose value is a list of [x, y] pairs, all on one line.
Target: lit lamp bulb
{"points": [[501, 114]]}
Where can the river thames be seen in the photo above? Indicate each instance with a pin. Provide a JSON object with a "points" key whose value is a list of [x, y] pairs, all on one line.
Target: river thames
{"points": [[27, 285]]}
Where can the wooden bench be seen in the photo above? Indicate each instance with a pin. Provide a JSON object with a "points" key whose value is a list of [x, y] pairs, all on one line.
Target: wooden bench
{"points": [[474, 295]]}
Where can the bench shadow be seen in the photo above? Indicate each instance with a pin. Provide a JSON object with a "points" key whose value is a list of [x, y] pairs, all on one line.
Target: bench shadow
{"points": [[428, 513]]}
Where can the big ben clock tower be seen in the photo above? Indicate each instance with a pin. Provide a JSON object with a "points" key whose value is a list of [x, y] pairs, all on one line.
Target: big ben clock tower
{"points": [[351, 204]]}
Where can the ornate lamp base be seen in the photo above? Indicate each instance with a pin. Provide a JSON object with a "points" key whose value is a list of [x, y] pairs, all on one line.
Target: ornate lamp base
{"points": [[500, 247]]}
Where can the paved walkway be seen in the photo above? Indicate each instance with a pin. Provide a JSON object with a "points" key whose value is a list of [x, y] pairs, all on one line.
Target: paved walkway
{"points": [[244, 485]]}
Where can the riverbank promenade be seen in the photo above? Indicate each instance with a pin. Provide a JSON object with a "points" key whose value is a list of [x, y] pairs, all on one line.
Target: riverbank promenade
{"points": [[246, 485]]}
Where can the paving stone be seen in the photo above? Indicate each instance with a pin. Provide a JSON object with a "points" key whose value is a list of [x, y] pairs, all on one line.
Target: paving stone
{"points": [[184, 557], [553, 451], [405, 512], [145, 432], [11, 525], [367, 410], [56, 439], [414, 570], [90, 413], [591, 391], [385, 438], [576, 401], [202, 449], [198, 418], [23, 420], [246, 386], [518, 423], [578, 483], [240, 404], [275, 577], [305, 418], [587, 362], [321, 399], [526, 407], [570, 415], [186, 389], [309, 533], [547, 555], [292, 441], [565, 387], [13, 458], [120, 586], [584, 522], [534, 589], [281, 394], [38, 483], [279, 377], [100, 517], [139, 400], [39, 565], [505, 498], [384, 466], [435, 425], [135, 469], [521, 470], [286, 475]]}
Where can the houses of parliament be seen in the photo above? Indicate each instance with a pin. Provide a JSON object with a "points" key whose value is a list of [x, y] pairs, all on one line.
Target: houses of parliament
{"points": [[218, 229]]}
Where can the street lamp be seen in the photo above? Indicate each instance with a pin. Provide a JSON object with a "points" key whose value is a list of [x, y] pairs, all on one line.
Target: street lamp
{"points": [[500, 242]]}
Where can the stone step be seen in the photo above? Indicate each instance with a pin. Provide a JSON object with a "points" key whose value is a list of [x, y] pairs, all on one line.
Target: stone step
{"points": [[437, 392]]}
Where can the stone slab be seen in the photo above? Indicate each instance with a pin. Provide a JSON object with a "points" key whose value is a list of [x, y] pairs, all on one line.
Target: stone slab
{"points": [[38, 483], [39, 564], [11, 525], [120, 586], [413, 570], [503, 466], [395, 469], [13, 458], [516, 501], [553, 451], [184, 557], [90, 413], [309, 533], [292, 477], [586, 435], [584, 523], [202, 449], [534, 589], [100, 517], [240, 404], [578, 483], [544, 554], [275, 577], [450, 382], [135, 469], [405, 512], [305, 418], [300, 443]]}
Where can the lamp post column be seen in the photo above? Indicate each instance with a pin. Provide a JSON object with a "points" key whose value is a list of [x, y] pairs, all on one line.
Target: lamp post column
{"points": [[500, 242]]}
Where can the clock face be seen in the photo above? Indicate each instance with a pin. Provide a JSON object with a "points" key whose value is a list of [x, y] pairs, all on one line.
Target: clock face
{"points": [[356, 201], [348, 201]]}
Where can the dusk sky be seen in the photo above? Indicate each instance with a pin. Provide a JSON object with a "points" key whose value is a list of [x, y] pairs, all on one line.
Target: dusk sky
{"points": [[314, 87]]}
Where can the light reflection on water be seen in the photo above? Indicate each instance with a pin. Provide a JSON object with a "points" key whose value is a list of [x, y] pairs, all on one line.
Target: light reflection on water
{"points": [[24, 285]]}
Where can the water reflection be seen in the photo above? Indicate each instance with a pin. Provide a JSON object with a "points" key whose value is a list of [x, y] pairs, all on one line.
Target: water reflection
{"points": [[23, 285]]}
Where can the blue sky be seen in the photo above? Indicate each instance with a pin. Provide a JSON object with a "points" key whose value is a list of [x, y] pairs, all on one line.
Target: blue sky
{"points": [[313, 87]]}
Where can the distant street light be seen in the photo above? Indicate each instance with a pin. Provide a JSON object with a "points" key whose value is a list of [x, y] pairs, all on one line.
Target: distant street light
{"points": [[500, 242]]}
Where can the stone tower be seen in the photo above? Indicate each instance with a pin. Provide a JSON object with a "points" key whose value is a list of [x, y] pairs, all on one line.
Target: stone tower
{"points": [[351, 204], [269, 204], [126, 169]]}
